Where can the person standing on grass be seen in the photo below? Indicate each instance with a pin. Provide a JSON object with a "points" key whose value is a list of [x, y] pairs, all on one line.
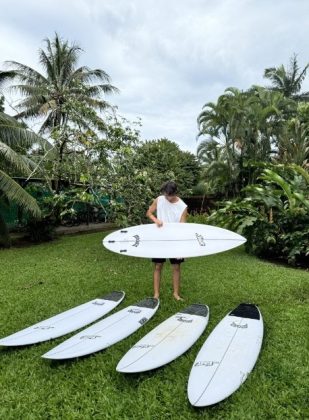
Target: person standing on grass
{"points": [[169, 208]]}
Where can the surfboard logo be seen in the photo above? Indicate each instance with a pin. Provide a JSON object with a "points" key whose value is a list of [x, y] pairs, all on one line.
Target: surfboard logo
{"points": [[137, 240], [233, 324], [44, 327], [200, 239], [89, 337], [143, 346], [98, 303], [181, 318], [143, 320], [134, 311], [206, 363]]}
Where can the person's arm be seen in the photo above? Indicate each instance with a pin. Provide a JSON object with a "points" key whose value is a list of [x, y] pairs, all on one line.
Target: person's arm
{"points": [[184, 215], [150, 214]]}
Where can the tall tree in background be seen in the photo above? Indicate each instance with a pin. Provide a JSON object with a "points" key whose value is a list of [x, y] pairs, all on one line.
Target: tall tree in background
{"points": [[46, 95], [246, 126], [288, 80], [163, 160], [67, 97]]}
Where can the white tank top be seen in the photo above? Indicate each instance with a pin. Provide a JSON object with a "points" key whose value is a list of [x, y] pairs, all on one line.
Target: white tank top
{"points": [[170, 212]]}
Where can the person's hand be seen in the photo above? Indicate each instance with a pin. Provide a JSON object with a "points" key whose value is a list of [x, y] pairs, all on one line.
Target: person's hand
{"points": [[159, 223]]}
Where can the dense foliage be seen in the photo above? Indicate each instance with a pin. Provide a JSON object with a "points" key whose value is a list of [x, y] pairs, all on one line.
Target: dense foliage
{"points": [[255, 152], [273, 215]]}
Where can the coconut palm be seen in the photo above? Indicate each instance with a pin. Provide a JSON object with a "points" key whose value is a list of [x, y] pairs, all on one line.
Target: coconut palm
{"points": [[65, 96], [13, 137], [47, 95], [288, 81]]}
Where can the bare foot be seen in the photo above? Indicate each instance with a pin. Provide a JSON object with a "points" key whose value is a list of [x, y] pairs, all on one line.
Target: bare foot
{"points": [[156, 296], [178, 298]]}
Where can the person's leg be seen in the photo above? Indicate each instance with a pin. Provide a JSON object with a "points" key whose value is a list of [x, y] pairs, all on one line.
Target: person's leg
{"points": [[176, 281], [156, 279]]}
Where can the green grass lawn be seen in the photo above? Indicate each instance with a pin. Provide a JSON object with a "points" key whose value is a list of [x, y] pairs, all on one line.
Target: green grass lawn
{"points": [[40, 281]]}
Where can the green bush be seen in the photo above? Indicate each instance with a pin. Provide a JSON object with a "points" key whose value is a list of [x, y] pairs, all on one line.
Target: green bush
{"points": [[273, 215], [198, 218], [40, 230], [286, 239]]}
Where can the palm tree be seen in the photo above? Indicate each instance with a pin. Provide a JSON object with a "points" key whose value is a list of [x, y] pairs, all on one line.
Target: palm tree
{"points": [[208, 151], [66, 96], [288, 81], [47, 95], [246, 125], [14, 136]]}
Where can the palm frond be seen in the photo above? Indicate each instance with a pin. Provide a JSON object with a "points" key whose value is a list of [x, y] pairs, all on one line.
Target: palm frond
{"points": [[14, 192], [98, 89], [15, 134], [12, 158], [86, 75], [25, 73]]}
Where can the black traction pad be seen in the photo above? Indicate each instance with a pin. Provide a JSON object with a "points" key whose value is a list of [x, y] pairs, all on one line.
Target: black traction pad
{"points": [[150, 303], [114, 296], [246, 310], [196, 309]]}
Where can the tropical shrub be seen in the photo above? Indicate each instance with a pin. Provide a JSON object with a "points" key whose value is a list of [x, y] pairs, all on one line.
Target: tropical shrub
{"points": [[273, 215], [42, 230], [198, 218]]}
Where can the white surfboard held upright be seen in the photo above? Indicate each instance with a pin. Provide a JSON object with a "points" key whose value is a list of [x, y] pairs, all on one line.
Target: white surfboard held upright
{"points": [[107, 332], [167, 341], [227, 356], [65, 322], [172, 240]]}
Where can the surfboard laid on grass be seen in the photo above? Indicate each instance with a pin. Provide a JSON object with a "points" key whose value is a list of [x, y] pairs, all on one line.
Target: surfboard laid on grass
{"points": [[107, 332], [227, 356], [167, 341], [172, 240], [65, 322]]}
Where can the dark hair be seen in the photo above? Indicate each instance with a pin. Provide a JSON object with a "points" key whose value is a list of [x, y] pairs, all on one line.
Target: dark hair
{"points": [[169, 188]]}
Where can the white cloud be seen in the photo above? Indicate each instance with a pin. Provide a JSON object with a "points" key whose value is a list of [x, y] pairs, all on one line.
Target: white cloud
{"points": [[167, 57]]}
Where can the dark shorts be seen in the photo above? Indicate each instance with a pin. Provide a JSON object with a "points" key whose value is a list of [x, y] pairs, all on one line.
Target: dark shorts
{"points": [[172, 260]]}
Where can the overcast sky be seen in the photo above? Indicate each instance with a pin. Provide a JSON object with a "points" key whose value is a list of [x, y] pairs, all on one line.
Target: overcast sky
{"points": [[167, 57]]}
